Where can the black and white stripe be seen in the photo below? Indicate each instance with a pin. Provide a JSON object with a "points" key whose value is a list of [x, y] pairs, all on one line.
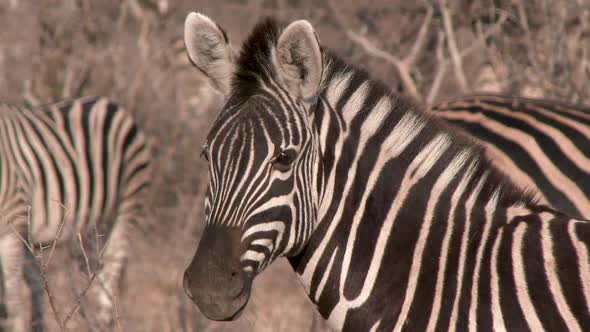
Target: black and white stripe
{"points": [[86, 154], [540, 144], [391, 220]]}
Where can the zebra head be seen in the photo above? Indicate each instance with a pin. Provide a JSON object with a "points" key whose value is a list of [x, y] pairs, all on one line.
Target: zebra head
{"points": [[263, 154]]}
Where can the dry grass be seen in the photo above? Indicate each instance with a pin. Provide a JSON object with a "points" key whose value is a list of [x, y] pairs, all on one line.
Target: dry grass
{"points": [[132, 51]]}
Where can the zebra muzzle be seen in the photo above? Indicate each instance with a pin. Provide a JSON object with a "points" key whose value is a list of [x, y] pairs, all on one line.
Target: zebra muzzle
{"points": [[215, 280]]}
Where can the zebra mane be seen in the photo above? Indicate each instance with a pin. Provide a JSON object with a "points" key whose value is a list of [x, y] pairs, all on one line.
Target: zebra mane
{"points": [[509, 192], [256, 56], [255, 63]]}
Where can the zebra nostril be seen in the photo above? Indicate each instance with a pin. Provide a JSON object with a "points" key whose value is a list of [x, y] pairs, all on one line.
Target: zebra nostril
{"points": [[186, 286], [236, 283]]}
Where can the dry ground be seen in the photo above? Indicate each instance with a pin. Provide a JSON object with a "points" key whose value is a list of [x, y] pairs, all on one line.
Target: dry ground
{"points": [[132, 51]]}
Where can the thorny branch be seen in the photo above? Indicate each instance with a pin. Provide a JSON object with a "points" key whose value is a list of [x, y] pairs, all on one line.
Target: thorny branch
{"points": [[43, 265], [404, 65], [58, 233]]}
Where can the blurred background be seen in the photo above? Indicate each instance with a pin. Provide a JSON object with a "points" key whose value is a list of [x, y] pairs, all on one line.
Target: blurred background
{"points": [[132, 51]]}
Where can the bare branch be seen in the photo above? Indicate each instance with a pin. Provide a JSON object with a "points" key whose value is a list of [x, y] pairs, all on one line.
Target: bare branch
{"points": [[373, 50], [68, 81], [452, 46], [420, 41], [29, 233], [88, 270], [403, 66], [52, 305], [75, 77], [21, 238], [441, 68], [117, 315], [43, 268], [403, 70], [582, 72], [29, 95], [59, 230], [483, 36], [97, 237], [123, 15], [44, 264], [79, 299]]}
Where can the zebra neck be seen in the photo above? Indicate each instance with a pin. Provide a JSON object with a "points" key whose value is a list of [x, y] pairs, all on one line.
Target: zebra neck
{"points": [[392, 178]]}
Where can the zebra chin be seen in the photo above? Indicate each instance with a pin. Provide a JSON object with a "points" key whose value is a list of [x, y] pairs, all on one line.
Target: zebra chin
{"points": [[216, 280]]}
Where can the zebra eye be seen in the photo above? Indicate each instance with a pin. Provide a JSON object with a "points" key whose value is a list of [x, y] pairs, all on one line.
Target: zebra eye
{"points": [[282, 162]]}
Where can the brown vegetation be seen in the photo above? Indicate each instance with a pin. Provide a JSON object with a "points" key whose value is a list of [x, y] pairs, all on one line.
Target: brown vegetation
{"points": [[132, 51]]}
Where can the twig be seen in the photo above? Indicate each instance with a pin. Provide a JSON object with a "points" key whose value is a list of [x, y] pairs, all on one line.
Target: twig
{"points": [[29, 95], [75, 78], [44, 264], [43, 268], [403, 66], [80, 297], [68, 81], [418, 46], [441, 68], [85, 256], [59, 230], [484, 35], [124, 14], [282, 11], [52, 305], [97, 240], [22, 239], [117, 315], [530, 45], [29, 233], [452, 46]]}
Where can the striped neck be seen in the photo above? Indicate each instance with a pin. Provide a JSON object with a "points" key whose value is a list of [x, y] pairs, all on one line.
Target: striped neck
{"points": [[358, 118], [384, 164]]}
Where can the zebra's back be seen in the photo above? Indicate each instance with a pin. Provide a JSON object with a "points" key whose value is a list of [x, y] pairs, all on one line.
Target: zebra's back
{"points": [[541, 144], [83, 158]]}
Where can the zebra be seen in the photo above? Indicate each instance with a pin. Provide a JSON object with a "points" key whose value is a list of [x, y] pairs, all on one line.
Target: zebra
{"points": [[391, 220], [82, 165], [540, 144]]}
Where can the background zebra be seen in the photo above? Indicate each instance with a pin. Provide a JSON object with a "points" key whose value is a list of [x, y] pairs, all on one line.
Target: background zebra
{"points": [[540, 144], [86, 154], [391, 220]]}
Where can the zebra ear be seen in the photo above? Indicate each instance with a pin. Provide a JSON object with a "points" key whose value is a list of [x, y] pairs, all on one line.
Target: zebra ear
{"points": [[208, 49], [300, 58]]}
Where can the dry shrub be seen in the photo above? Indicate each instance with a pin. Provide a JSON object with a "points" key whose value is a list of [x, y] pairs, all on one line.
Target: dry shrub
{"points": [[132, 51]]}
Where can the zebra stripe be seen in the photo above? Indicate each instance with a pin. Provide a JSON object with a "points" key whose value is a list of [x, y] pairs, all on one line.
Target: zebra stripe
{"points": [[540, 144], [86, 154], [391, 220]]}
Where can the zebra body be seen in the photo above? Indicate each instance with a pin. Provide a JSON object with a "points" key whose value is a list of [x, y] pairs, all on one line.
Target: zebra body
{"points": [[82, 163], [391, 220], [540, 144]]}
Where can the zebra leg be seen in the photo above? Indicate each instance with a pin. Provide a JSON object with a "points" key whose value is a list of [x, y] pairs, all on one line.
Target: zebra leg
{"points": [[32, 275], [108, 278], [13, 293]]}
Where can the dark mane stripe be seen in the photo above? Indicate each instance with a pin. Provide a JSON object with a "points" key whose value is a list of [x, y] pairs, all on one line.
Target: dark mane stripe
{"points": [[255, 57]]}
